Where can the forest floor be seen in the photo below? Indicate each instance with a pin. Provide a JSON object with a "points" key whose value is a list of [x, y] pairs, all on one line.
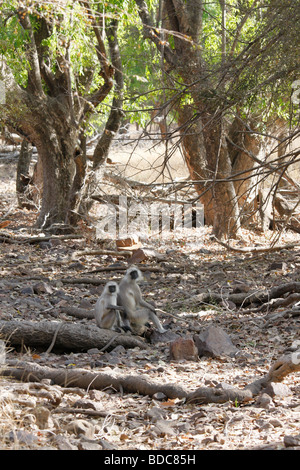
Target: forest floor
{"points": [[41, 415]]}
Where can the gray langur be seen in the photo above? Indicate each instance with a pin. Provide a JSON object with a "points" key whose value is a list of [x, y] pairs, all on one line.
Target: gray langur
{"points": [[107, 312], [137, 312]]}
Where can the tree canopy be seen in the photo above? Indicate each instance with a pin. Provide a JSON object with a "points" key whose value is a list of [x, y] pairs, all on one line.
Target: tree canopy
{"points": [[67, 65]]}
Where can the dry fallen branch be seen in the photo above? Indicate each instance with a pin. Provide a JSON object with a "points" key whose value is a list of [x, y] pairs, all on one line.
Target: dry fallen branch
{"points": [[82, 378], [275, 317], [68, 337], [20, 240], [78, 312], [257, 249], [118, 254], [29, 372], [246, 298], [97, 281], [280, 369]]}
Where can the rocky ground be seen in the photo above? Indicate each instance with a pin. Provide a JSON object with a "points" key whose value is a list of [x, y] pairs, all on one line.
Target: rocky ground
{"points": [[41, 415]]}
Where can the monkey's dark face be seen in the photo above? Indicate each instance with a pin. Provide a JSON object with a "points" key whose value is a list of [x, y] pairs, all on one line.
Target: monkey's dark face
{"points": [[112, 289], [134, 274]]}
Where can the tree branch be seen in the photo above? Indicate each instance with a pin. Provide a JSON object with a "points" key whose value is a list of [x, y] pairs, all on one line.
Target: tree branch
{"points": [[115, 116], [152, 33], [34, 73]]}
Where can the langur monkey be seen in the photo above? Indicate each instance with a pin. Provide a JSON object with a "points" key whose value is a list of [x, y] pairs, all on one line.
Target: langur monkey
{"points": [[107, 312], [137, 313]]}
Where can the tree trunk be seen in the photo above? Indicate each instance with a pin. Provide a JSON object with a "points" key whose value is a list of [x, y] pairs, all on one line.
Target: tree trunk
{"points": [[201, 122], [57, 159], [23, 178], [65, 336]]}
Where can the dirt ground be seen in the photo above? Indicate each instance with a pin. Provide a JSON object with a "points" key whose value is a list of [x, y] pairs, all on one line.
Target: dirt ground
{"points": [[41, 415]]}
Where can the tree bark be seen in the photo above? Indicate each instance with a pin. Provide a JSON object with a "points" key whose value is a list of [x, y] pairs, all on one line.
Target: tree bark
{"points": [[23, 178], [68, 336], [52, 117], [201, 122], [82, 378]]}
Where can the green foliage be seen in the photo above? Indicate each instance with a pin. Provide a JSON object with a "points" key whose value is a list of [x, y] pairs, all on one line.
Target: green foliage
{"points": [[260, 52]]}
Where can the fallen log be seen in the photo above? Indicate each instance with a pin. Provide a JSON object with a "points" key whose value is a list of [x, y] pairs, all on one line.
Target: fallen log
{"points": [[279, 370], [82, 378], [246, 298], [78, 312], [68, 336]]}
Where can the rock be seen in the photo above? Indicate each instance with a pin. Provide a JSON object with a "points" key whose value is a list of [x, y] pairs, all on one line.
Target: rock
{"points": [[85, 404], [43, 417], [42, 288], [88, 445], [292, 441], [214, 342], [81, 426], [155, 414], [128, 243], [153, 336], [278, 266], [27, 290], [137, 257], [240, 288], [277, 389], [22, 437], [163, 428], [63, 443], [106, 445], [159, 396], [183, 349], [264, 401]]}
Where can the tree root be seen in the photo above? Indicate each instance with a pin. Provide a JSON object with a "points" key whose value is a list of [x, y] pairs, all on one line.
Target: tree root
{"points": [[82, 378]]}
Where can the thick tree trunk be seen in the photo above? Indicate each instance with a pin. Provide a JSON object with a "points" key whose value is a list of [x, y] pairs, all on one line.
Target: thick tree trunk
{"points": [[206, 153], [58, 176]]}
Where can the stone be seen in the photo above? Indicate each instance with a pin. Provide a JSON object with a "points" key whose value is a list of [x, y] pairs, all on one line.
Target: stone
{"points": [[64, 443], [159, 396], [85, 404], [277, 389], [42, 288], [155, 414], [264, 401], [43, 417], [128, 243], [81, 426], [22, 437], [214, 342], [292, 441], [278, 266], [87, 445], [183, 349], [163, 428]]}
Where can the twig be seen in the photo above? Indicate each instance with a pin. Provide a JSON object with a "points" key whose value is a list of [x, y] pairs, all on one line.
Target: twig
{"points": [[89, 412], [255, 249], [54, 338]]}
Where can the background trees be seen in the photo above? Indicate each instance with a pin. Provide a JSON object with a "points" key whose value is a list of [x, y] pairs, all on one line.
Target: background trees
{"points": [[224, 70], [57, 68], [230, 59]]}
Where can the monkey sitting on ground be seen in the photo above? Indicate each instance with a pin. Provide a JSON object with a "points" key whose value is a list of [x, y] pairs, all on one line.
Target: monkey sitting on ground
{"points": [[107, 312], [137, 313]]}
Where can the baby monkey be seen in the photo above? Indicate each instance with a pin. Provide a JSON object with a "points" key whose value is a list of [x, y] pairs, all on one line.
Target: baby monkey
{"points": [[137, 312], [107, 312]]}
